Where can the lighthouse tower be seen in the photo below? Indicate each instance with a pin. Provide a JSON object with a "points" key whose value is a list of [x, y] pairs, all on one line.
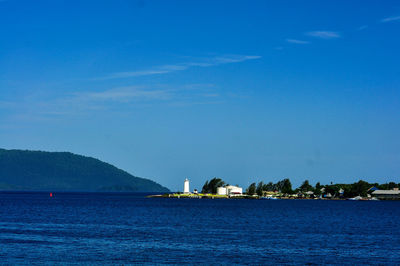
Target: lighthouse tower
{"points": [[186, 186]]}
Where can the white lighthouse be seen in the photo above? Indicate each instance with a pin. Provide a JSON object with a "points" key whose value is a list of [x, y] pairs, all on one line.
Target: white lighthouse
{"points": [[186, 186]]}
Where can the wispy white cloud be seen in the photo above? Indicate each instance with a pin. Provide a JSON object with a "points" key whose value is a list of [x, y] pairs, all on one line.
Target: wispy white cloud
{"points": [[210, 95], [192, 103], [233, 59], [146, 94], [164, 69], [85, 103], [390, 19], [6, 104], [159, 70], [297, 41], [363, 27], [126, 94], [324, 34]]}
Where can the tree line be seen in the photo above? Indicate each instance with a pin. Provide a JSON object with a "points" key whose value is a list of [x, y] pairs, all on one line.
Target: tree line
{"points": [[284, 186]]}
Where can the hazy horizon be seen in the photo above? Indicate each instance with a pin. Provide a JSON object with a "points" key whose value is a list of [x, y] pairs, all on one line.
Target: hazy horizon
{"points": [[243, 91]]}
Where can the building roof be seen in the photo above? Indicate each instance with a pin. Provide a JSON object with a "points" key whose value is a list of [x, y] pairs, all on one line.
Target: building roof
{"points": [[386, 192], [373, 189]]}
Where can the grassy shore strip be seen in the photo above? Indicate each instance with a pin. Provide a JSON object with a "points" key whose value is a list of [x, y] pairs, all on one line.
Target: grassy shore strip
{"points": [[214, 196], [194, 196]]}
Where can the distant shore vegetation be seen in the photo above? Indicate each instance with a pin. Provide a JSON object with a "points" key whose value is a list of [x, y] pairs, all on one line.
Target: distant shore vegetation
{"points": [[340, 190], [284, 189]]}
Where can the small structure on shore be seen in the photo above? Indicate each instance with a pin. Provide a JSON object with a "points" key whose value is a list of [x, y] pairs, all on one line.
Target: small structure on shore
{"points": [[186, 187], [387, 194], [229, 190], [221, 191]]}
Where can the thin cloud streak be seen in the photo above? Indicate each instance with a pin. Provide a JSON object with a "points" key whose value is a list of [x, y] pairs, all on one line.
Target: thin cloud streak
{"points": [[324, 34], [390, 19], [297, 41], [363, 27], [136, 74], [208, 62], [126, 94], [233, 59], [6, 104], [83, 104]]}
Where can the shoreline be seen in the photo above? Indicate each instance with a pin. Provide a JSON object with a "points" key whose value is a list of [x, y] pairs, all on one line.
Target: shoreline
{"points": [[214, 196]]}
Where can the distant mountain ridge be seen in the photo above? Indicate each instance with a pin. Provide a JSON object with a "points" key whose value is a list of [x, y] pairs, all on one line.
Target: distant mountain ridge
{"points": [[64, 171]]}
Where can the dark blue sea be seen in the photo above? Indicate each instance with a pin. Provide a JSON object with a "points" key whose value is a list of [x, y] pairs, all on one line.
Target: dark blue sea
{"points": [[120, 228]]}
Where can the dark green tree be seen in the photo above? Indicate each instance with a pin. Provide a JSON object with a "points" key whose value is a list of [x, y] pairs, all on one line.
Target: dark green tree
{"points": [[279, 185], [269, 187], [333, 189], [286, 186], [318, 188], [360, 188], [251, 190], [259, 189], [205, 187], [386, 186], [212, 185], [392, 185], [305, 186]]}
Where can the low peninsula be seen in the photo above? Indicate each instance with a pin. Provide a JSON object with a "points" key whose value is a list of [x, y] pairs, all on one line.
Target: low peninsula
{"points": [[216, 188]]}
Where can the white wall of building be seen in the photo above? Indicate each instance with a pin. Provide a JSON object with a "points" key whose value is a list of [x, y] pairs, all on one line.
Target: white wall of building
{"points": [[234, 190], [221, 191], [229, 190]]}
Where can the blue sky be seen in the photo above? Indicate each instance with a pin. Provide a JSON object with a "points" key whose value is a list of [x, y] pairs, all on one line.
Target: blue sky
{"points": [[245, 91]]}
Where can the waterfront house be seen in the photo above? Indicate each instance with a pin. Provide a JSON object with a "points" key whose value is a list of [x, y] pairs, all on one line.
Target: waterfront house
{"points": [[309, 194], [230, 190], [387, 194]]}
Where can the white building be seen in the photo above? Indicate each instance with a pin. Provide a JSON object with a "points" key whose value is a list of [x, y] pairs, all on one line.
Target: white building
{"points": [[234, 190], [387, 194], [230, 190], [186, 186], [221, 191]]}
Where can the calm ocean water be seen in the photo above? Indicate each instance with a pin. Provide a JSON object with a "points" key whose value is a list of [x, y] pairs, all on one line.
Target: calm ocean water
{"points": [[99, 228]]}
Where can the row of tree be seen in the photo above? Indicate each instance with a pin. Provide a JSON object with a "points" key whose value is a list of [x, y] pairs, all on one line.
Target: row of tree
{"points": [[360, 188], [284, 186]]}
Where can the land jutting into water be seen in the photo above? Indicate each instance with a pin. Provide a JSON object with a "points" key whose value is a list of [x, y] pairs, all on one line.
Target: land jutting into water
{"points": [[216, 188]]}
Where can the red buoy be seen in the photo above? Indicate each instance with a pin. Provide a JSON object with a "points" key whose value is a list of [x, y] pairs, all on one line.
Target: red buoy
{"points": [[51, 194]]}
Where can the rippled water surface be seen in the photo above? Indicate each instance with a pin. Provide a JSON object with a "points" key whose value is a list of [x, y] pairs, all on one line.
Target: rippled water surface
{"points": [[117, 228]]}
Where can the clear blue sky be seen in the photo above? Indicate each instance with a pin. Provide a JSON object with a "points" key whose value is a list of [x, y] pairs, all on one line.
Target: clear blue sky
{"points": [[242, 90]]}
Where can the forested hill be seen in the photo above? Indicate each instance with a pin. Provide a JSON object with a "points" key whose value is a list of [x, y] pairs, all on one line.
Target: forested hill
{"points": [[64, 171]]}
